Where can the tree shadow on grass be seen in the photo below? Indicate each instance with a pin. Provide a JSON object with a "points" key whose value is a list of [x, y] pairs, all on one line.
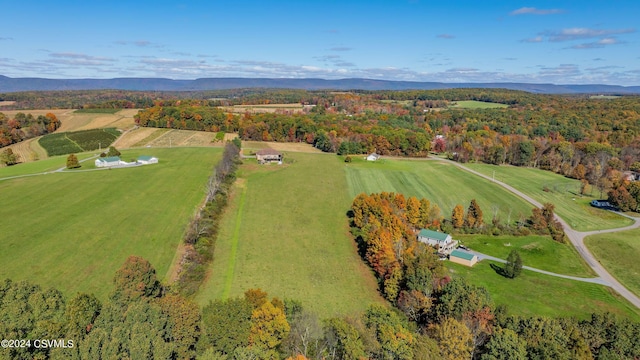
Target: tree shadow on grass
{"points": [[499, 270]]}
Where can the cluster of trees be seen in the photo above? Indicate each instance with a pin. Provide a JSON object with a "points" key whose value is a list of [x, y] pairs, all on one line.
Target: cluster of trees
{"points": [[200, 237], [385, 228], [8, 157], [625, 195], [543, 221], [25, 126]]}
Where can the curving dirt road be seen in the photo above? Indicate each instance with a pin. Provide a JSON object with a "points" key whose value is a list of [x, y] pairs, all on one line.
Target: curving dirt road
{"points": [[576, 238]]}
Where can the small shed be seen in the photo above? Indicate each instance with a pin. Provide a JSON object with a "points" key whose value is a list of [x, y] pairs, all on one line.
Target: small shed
{"points": [[108, 161], [147, 160], [373, 157], [463, 258], [268, 155]]}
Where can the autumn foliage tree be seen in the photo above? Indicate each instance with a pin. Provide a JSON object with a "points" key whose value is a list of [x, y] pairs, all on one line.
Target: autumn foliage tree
{"points": [[457, 216], [473, 218], [136, 279], [72, 162]]}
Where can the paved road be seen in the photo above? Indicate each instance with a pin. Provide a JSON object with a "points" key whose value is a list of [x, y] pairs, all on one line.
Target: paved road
{"points": [[577, 239]]}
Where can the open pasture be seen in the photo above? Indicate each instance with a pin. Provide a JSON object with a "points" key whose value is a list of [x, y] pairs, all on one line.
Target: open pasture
{"points": [[286, 232], [72, 230], [564, 193], [439, 182], [535, 294], [619, 253], [473, 104], [539, 252]]}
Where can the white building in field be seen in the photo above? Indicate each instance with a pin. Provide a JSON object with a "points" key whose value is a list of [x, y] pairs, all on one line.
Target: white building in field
{"points": [[147, 160], [373, 157], [109, 161]]}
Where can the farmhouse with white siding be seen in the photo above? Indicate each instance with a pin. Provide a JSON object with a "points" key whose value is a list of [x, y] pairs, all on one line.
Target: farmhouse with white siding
{"points": [[109, 161]]}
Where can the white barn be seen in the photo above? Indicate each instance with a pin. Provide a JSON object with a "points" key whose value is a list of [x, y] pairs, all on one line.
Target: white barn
{"points": [[147, 160], [109, 161], [373, 157]]}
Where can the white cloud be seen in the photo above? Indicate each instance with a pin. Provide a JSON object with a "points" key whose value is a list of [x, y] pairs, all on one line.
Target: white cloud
{"points": [[535, 11], [583, 33], [536, 39]]}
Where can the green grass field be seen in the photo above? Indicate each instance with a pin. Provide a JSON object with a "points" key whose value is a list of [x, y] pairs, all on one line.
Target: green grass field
{"points": [[563, 193], [534, 294], [441, 183], [36, 167], [473, 104], [286, 232], [539, 252], [619, 253], [73, 230]]}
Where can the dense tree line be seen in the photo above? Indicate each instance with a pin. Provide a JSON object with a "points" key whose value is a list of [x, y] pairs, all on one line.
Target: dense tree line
{"points": [[25, 126], [144, 319]]}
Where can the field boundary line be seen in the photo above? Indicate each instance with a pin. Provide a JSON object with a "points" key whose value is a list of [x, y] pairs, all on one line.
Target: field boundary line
{"points": [[234, 245]]}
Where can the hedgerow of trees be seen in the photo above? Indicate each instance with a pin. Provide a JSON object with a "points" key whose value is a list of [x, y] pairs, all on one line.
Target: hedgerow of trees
{"points": [[25, 126]]}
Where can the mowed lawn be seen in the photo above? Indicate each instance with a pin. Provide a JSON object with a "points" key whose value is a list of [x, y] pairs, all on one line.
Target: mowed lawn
{"points": [[562, 192], [286, 232], [441, 183], [73, 230], [540, 252], [619, 253], [535, 294]]}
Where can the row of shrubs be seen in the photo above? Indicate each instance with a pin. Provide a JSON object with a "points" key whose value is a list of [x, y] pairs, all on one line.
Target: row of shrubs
{"points": [[200, 237], [78, 141]]}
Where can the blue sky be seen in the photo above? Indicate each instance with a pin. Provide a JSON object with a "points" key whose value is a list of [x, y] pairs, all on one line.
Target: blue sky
{"points": [[560, 42]]}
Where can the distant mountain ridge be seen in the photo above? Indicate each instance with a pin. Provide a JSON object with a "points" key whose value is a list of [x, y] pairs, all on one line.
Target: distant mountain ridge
{"points": [[8, 84]]}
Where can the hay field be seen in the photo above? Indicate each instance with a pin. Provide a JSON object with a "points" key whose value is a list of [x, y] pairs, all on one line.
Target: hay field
{"points": [[72, 230], [249, 146], [286, 232], [439, 182]]}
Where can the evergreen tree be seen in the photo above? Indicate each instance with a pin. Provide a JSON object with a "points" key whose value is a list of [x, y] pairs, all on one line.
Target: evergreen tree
{"points": [[513, 268]]}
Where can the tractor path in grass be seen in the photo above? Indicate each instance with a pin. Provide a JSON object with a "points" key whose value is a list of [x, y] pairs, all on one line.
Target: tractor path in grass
{"points": [[576, 238]]}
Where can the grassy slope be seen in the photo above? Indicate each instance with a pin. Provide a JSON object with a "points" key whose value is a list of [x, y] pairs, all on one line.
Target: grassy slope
{"points": [[578, 213], [619, 253], [441, 183], [539, 252], [533, 294], [74, 230], [293, 241]]}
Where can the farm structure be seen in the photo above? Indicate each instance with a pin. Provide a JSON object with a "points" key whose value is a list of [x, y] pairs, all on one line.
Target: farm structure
{"points": [[373, 157], [463, 258], [268, 155], [147, 160], [441, 241], [109, 161]]}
